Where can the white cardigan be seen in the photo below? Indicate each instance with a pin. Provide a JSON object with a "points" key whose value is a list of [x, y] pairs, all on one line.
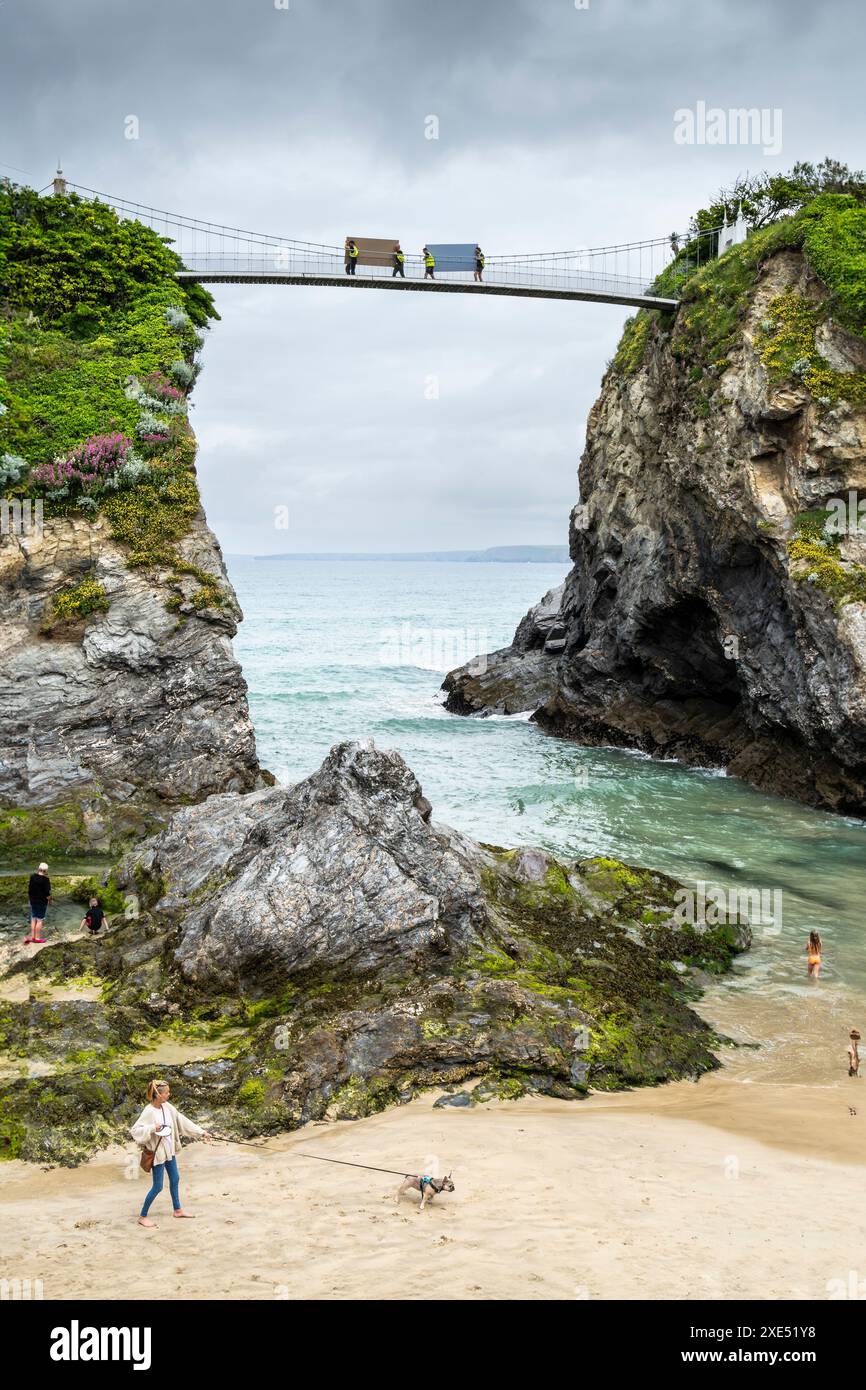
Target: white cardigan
{"points": [[150, 1120]]}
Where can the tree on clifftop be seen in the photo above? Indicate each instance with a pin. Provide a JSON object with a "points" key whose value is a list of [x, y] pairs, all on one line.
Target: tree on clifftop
{"points": [[74, 263], [763, 198]]}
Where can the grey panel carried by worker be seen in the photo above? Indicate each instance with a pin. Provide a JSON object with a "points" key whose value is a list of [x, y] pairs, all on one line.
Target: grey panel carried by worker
{"points": [[373, 250], [453, 255]]}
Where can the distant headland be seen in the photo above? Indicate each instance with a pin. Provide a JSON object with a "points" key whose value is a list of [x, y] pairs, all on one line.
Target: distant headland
{"points": [[501, 554]]}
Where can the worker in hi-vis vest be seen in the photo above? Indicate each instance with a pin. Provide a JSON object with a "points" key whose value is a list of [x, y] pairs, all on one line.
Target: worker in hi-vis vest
{"points": [[429, 263], [399, 262], [479, 263], [351, 257]]}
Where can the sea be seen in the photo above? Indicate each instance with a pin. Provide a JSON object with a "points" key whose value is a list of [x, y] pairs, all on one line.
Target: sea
{"points": [[346, 649]]}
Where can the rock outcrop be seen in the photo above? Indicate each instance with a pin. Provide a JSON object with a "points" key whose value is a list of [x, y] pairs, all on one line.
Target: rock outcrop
{"points": [[709, 616], [520, 677], [111, 722], [340, 951], [341, 871]]}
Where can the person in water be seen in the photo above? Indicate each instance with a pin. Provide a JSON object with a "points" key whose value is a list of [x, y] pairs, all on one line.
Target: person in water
{"points": [[814, 948], [159, 1128], [853, 1053], [39, 893]]}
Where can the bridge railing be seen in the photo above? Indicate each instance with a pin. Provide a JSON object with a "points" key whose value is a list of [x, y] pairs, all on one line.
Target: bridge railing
{"points": [[624, 271], [276, 263]]}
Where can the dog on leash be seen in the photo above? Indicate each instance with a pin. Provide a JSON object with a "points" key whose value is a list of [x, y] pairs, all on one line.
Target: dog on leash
{"points": [[427, 1186]]}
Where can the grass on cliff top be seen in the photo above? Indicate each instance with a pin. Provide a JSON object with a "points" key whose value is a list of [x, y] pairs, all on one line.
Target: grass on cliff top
{"points": [[83, 301], [831, 231]]}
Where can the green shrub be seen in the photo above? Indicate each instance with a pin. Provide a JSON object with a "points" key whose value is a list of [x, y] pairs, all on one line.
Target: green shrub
{"points": [[819, 563], [74, 605], [90, 309], [76, 264]]}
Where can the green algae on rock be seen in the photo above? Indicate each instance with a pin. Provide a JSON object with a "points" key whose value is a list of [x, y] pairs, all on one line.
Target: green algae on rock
{"points": [[398, 956]]}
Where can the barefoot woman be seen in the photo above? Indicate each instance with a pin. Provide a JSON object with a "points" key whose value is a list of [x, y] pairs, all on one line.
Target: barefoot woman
{"points": [[158, 1129]]}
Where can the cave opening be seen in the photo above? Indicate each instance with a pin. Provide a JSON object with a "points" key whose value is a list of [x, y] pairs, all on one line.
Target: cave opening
{"points": [[683, 654]]}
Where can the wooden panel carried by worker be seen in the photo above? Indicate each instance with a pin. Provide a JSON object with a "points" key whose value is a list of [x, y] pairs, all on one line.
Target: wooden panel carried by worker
{"points": [[374, 250], [453, 255]]}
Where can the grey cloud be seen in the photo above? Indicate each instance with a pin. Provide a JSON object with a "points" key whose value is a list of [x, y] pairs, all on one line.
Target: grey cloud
{"points": [[556, 129]]}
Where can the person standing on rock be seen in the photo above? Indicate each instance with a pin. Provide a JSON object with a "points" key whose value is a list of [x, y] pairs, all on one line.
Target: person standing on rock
{"points": [[39, 893], [158, 1130]]}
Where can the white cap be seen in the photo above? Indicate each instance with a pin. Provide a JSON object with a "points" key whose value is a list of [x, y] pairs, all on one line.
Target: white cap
{"points": [[43, 866]]}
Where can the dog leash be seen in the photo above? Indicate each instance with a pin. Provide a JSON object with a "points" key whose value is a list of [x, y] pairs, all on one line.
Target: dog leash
{"points": [[221, 1139], [320, 1158], [301, 1153]]}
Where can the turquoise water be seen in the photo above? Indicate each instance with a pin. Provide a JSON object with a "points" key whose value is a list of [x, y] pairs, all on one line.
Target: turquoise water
{"points": [[348, 649]]}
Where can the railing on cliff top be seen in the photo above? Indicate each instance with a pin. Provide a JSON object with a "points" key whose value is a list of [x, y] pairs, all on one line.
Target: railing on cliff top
{"points": [[622, 274]]}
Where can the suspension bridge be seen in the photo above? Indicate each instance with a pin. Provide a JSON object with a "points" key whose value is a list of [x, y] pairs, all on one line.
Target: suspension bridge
{"points": [[214, 254]]}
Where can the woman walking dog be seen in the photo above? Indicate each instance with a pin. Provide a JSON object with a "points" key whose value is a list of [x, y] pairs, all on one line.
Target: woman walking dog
{"points": [[158, 1130]]}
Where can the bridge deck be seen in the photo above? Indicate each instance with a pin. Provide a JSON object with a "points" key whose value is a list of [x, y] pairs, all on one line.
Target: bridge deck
{"points": [[607, 295]]}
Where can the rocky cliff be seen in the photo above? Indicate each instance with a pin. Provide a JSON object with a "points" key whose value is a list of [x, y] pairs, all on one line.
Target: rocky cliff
{"points": [[716, 610], [120, 698], [111, 721]]}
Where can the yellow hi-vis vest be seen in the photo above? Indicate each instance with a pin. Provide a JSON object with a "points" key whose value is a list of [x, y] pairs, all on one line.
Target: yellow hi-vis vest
{"points": [[428, 259], [352, 251], [480, 259], [398, 256]]}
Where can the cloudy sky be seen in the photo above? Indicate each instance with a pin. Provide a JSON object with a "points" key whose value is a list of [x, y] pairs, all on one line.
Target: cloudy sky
{"points": [[307, 119]]}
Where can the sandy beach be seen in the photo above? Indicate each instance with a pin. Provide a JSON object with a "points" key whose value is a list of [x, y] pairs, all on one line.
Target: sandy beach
{"points": [[716, 1189]]}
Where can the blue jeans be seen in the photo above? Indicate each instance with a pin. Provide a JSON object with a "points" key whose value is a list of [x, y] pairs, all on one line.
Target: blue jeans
{"points": [[158, 1174]]}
